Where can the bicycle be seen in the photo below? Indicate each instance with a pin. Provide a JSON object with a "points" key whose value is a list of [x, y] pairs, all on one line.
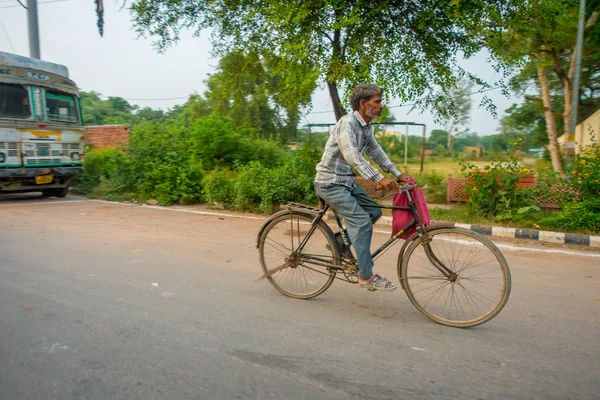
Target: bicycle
{"points": [[301, 255]]}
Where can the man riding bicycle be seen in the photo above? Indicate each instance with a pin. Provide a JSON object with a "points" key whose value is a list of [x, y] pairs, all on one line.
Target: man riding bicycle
{"points": [[352, 137]]}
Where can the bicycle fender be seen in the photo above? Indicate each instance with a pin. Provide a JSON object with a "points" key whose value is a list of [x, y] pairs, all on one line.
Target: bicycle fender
{"points": [[272, 217]]}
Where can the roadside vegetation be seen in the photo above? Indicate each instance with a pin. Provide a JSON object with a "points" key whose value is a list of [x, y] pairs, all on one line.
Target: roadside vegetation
{"points": [[231, 146]]}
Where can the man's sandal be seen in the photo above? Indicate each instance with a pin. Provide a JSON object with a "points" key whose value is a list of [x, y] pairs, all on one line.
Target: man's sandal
{"points": [[378, 283]]}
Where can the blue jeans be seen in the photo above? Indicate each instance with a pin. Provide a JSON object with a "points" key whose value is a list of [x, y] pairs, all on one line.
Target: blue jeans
{"points": [[359, 220]]}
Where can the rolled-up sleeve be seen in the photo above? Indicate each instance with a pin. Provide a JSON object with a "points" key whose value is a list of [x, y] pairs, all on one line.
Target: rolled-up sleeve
{"points": [[347, 142]]}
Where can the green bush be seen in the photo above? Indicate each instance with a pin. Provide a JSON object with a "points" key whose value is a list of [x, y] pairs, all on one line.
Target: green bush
{"points": [[493, 193], [161, 165], [269, 153], [433, 187], [583, 215], [219, 188], [586, 170], [249, 186], [580, 216], [102, 165], [165, 161]]}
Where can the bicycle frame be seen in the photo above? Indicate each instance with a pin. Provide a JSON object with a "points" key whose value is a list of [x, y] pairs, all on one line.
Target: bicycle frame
{"points": [[415, 221]]}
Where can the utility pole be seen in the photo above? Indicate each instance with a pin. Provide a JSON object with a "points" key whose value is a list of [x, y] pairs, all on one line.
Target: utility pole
{"points": [[34, 31], [570, 150], [406, 150], [423, 149]]}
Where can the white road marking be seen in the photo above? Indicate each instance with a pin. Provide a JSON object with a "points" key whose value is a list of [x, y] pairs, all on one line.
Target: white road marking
{"points": [[519, 248], [499, 245], [202, 212]]}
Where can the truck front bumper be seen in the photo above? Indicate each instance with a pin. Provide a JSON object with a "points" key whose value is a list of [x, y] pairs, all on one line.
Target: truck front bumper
{"points": [[23, 179]]}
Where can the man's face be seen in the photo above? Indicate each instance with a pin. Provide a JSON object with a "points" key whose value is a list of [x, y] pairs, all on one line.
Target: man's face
{"points": [[373, 107]]}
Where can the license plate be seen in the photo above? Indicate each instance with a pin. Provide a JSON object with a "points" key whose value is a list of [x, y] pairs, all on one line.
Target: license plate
{"points": [[39, 180]]}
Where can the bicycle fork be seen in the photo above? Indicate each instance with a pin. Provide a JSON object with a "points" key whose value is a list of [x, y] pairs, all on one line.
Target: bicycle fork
{"points": [[448, 273]]}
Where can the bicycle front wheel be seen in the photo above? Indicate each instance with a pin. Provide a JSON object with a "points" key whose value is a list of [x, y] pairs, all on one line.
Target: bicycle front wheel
{"points": [[300, 274], [478, 284]]}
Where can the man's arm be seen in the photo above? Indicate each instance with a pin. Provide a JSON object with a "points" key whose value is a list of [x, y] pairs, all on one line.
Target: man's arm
{"points": [[346, 138], [377, 154]]}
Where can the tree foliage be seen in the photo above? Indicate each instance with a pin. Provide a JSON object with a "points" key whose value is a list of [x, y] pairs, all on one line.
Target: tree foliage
{"points": [[410, 47], [114, 110], [538, 42], [243, 89]]}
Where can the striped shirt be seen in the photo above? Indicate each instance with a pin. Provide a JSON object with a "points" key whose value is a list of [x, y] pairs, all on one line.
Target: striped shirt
{"points": [[349, 140]]}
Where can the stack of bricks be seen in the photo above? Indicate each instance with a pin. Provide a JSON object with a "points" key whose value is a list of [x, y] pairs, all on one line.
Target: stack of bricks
{"points": [[101, 136]]}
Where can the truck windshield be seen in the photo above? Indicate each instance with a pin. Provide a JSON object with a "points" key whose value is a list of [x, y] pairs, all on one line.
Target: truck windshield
{"points": [[61, 107], [14, 101]]}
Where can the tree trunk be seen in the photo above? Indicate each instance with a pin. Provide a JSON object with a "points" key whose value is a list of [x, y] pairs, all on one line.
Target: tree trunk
{"points": [[331, 81], [335, 100], [450, 137], [550, 122]]}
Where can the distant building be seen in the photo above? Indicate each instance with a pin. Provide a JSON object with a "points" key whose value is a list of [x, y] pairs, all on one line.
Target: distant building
{"points": [[476, 151], [586, 133]]}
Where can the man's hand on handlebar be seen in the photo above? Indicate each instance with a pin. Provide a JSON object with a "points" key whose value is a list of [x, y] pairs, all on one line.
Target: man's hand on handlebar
{"points": [[387, 183], [406, 179]]}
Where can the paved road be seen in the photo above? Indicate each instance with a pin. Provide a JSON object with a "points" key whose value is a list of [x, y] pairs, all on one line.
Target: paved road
{"points": [[110, 301]]}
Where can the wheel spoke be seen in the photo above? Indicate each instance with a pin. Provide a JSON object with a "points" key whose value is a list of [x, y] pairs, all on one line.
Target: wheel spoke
{"points": [[470, 297], [307, 275]]}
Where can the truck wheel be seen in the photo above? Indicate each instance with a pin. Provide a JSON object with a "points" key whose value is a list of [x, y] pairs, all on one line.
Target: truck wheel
{"points": [[62, 192]]}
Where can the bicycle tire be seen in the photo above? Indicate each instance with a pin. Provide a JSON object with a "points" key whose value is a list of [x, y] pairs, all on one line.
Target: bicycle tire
{"points": [[414, 267], [273, 254]]}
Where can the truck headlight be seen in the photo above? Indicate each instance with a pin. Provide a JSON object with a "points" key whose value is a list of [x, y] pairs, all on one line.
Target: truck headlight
{"points": [[75, 156], [2, 157]]}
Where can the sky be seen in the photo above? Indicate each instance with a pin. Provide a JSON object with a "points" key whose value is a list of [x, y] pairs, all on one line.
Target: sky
{"points": [[121, 64]]}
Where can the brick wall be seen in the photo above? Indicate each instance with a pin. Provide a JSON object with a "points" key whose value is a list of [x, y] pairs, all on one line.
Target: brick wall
{"points": [[99, 136]]}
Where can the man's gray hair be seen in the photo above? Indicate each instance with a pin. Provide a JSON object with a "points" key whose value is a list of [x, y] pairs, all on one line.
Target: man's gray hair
{"points": [[363, 91]]}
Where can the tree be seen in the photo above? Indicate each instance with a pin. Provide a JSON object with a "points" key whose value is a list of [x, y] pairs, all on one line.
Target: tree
{"points": [[456, 109], [243, 90], [408, 47], [540, 38], [438, 137], [96, 111], [525, 121]]}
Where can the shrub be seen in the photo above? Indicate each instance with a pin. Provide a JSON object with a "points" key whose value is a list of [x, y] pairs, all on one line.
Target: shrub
{"points": [[249, 186], [219, 187], [162, 166], [580, 216], [586, 170], [494, 192], [585, 214], [433, 187], [217, 142], [101, 165], [269, 153]]}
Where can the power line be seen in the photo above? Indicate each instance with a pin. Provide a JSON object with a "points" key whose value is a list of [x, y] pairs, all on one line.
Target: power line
{"points": [[413, 104], [315, 112], [158, 99], [43, 2], [22, 5]]}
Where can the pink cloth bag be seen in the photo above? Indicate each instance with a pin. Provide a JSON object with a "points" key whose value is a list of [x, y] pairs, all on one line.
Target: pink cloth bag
{"points": [[400, 218]]}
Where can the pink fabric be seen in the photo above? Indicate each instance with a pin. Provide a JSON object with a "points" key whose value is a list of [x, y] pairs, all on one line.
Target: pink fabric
{"points": [[400, 218]]}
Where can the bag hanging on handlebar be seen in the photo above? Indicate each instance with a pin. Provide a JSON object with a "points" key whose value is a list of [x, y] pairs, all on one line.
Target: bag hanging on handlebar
{"points": [[401, 218]]}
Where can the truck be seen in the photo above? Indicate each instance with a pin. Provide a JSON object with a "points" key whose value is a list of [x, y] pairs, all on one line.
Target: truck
{"points": [[41, 128]]}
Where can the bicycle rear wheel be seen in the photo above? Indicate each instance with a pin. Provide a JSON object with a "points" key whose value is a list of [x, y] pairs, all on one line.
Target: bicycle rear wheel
{"points": [[478, 287], [302, 275]]}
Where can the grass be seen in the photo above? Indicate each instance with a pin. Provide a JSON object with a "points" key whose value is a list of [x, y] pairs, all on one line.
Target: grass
{"points": [[447, 166]]}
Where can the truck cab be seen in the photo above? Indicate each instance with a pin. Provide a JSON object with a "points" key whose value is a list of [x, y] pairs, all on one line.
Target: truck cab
{"points": [[41, 129]]}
